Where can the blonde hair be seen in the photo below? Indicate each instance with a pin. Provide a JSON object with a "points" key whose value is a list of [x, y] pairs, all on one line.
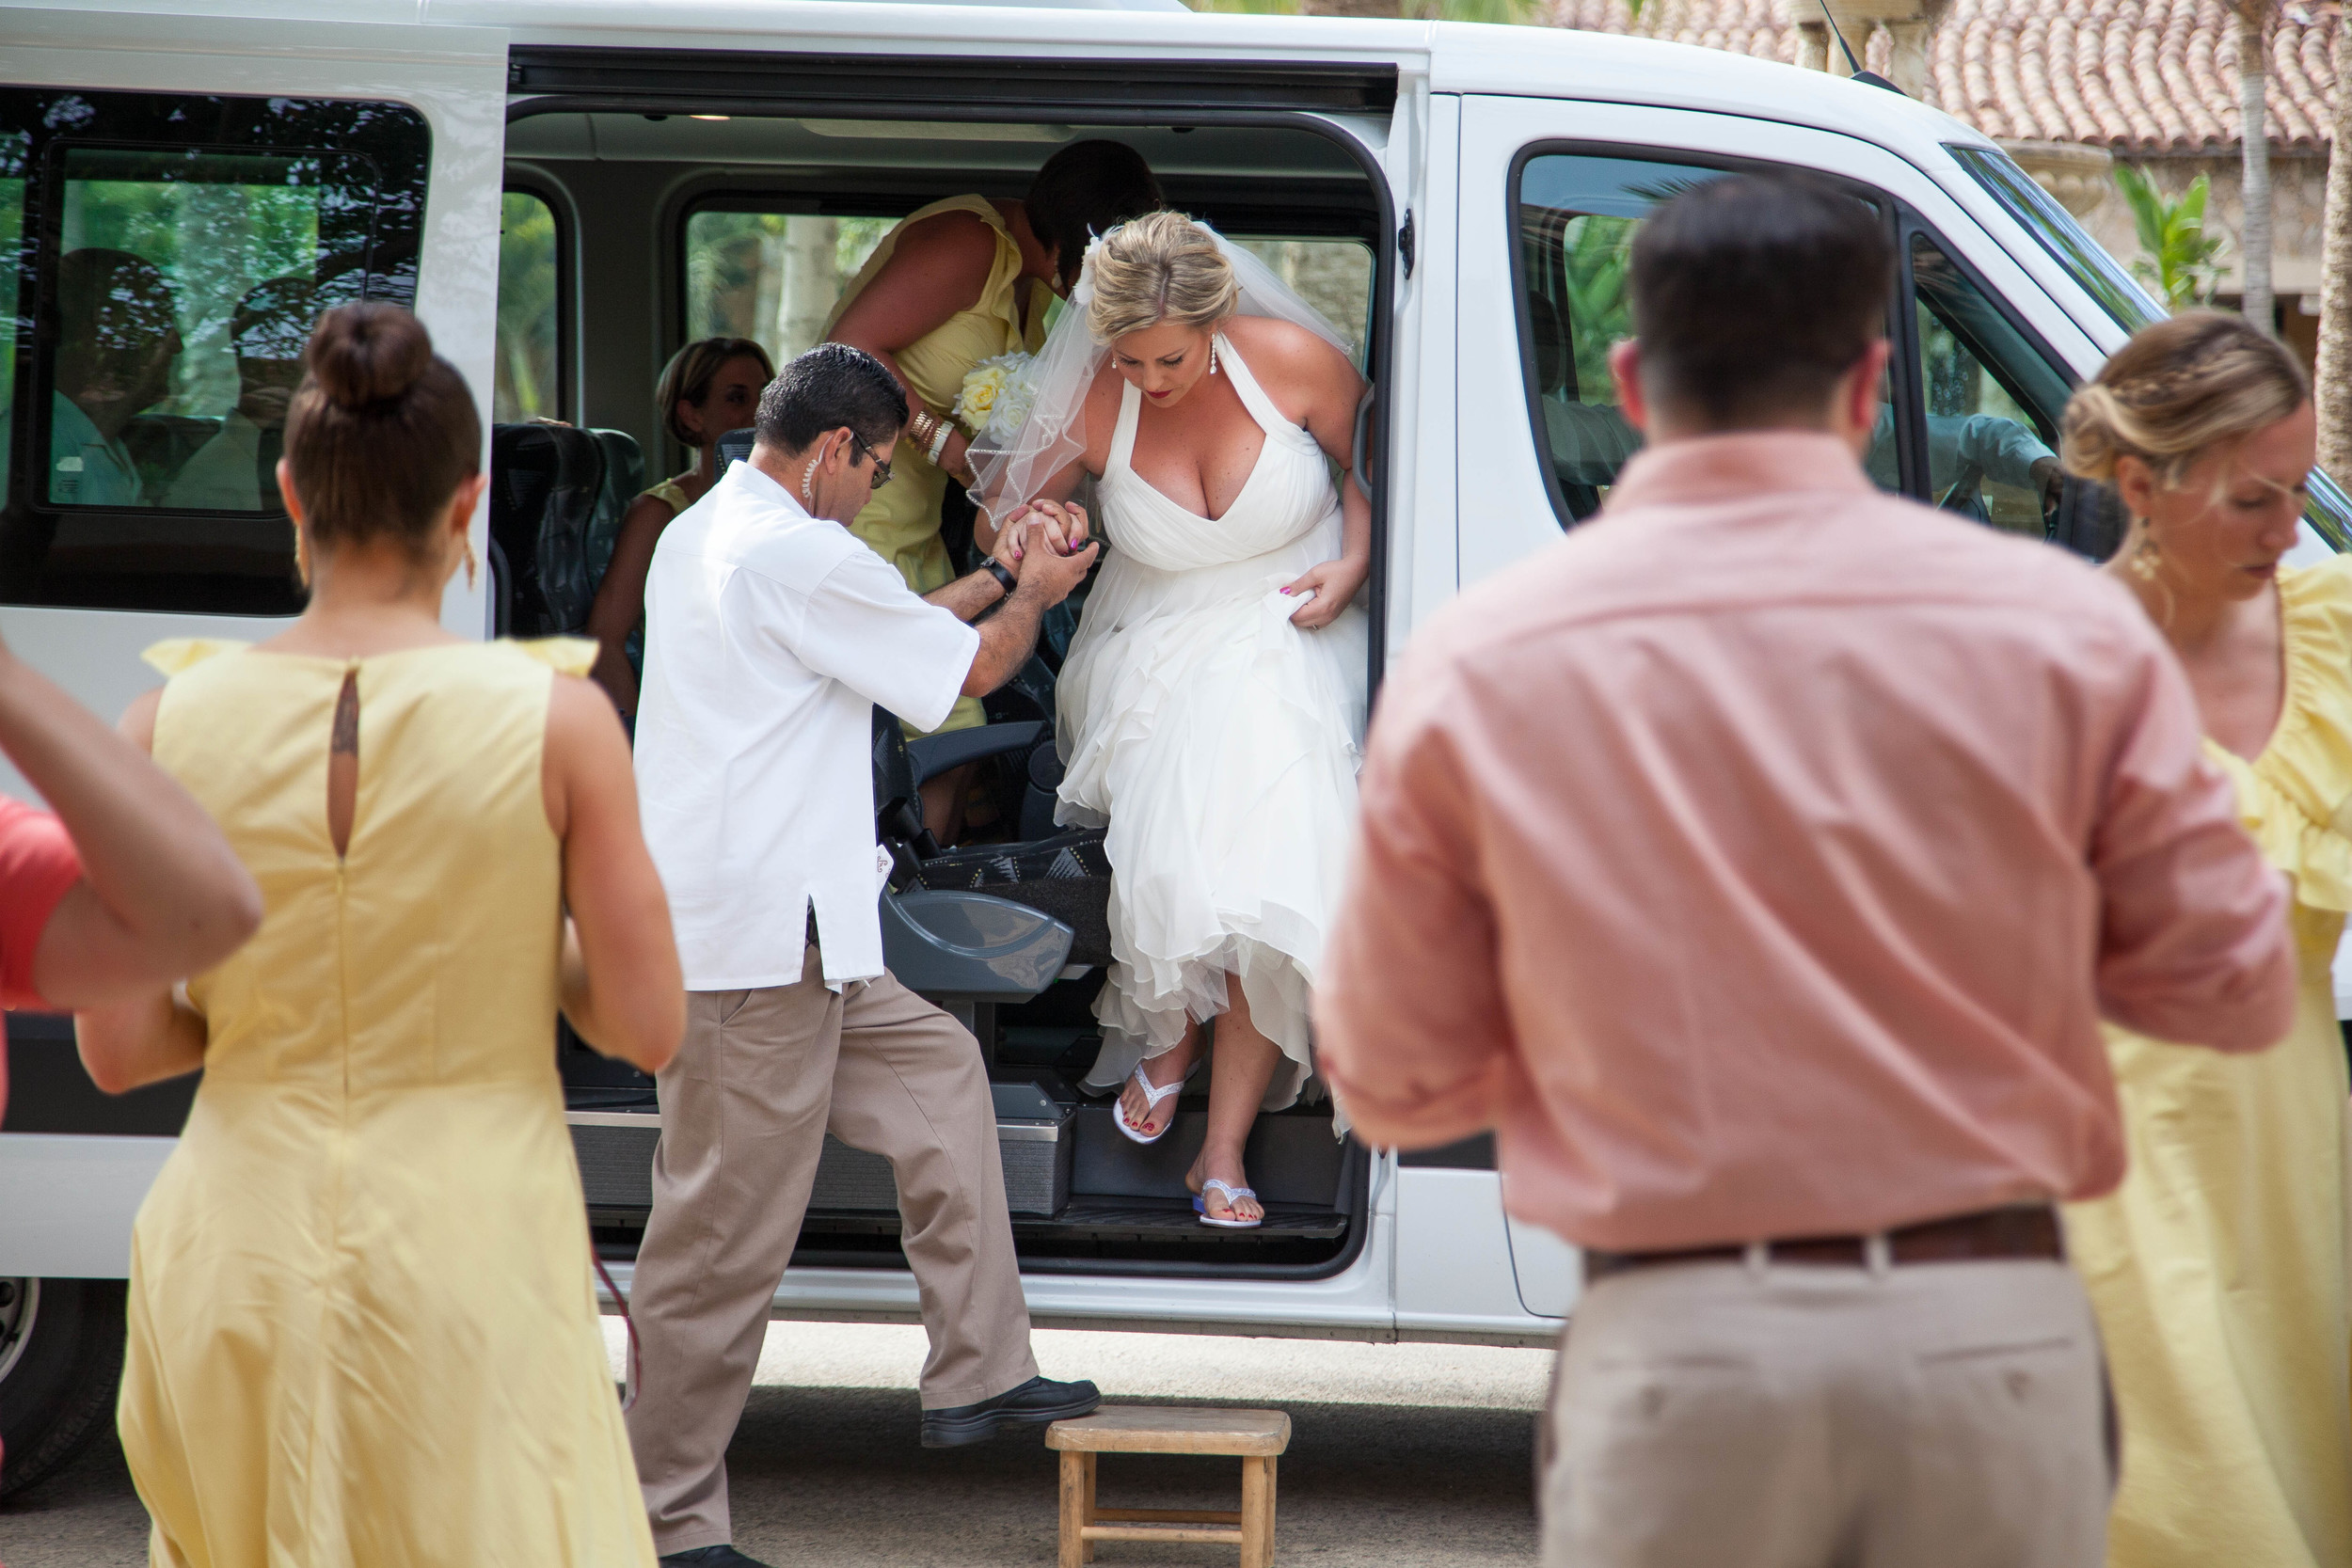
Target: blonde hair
{"points": [[1159, 267], [2176, 392]]}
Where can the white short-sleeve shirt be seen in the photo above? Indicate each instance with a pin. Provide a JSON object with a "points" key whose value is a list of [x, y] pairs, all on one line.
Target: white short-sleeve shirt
{"points": [[770, 637]]}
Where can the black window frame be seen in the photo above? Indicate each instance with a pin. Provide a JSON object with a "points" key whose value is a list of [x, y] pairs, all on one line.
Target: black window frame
{"points": [[394, 136]]}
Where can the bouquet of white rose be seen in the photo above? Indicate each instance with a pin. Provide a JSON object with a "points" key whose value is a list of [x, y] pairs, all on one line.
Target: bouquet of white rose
{"points": [[995, 397]]}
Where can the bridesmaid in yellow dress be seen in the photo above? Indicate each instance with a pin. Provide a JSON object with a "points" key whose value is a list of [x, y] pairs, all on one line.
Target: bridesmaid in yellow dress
{"points": [[363, 1327], [957, 282], [2219, 1269]]}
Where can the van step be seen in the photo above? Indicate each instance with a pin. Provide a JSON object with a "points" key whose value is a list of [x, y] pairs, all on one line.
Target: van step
{"points": [[1115, 1219]]}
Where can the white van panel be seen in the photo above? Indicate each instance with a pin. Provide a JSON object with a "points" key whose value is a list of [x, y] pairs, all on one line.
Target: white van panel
{"points": [[455, 76], [1454, 1256], [1423, 569], [66, 1202], [1501, 499], [1551, 1272]]}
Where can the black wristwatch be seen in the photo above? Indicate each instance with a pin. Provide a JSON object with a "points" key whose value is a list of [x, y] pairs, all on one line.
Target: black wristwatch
{"points": [[1005, 580]]}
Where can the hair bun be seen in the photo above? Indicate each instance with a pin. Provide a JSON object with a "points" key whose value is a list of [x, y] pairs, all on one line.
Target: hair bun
{"points": [[368, 354]]}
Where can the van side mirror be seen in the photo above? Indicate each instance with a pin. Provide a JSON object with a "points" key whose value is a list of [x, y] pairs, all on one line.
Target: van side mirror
{"points": [[2089, 521]]}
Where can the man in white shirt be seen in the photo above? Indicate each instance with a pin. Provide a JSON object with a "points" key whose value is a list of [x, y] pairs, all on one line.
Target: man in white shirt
{"points": [[771, 633]]}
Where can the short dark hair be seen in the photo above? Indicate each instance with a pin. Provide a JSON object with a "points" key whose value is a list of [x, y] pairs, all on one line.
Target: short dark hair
{"points": [[830, 385], [1081, 192], [1754, 293]]}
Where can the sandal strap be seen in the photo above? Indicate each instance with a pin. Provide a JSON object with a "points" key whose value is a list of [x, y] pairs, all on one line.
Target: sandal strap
{"points": [[1231, 1192], [1153, 1095]]}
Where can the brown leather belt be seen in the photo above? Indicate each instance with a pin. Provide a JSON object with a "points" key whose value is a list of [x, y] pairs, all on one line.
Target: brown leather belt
{"points": [[1992, 1233]]}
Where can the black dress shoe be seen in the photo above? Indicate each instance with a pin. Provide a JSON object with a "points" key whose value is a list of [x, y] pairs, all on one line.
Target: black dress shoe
{"points": [[1035, 1402], [713, 1556]]}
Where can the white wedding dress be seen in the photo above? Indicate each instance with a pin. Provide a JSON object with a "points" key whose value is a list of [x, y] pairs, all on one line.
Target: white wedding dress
{"points": [[1217, 742]]}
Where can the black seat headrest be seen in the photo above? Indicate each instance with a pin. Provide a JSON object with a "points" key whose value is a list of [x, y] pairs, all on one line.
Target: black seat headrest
{"points": [[544, 482]]}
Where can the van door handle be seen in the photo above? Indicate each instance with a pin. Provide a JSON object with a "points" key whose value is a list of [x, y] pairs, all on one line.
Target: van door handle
{"points": [[1363, 428]]}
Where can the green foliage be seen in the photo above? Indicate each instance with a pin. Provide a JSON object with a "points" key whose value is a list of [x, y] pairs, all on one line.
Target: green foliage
{"points": [[212, 239], [2180, 261], [1594, 254], [526, 311]]}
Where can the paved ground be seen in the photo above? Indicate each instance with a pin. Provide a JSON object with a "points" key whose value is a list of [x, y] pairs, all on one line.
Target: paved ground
{"points": [[1403, 1454]]}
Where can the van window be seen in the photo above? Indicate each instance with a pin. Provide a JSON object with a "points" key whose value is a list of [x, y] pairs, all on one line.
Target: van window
{"points": [[1333, 276], [2054, 229], [771, 277], [180, 249], [529, 381], [1990, 400], [775, 276]]}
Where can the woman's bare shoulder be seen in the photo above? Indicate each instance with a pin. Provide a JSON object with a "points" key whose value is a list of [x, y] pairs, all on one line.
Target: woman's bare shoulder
{"points": [[1285, 354]]}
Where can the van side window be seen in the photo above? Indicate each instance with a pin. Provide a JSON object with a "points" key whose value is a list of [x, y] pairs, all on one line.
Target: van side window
{"points": [[771, 277], [530, 372], [1577, 218], [179, 250], [1990, 399], [1333, 276]]}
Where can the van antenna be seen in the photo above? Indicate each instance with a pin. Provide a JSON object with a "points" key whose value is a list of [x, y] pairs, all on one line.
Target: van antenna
{"points": [[1852, 65]]}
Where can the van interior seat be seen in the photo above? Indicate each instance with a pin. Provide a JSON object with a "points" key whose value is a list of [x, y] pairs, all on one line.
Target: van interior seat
{"points": [[557, 495]]}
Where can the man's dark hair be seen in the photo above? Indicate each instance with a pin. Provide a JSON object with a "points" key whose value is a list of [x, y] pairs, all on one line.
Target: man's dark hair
{"points": [[1753, 294], [1082, 191], [830, 385]]}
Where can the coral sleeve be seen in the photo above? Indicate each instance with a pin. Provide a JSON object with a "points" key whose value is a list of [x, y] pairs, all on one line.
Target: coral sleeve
{"points": [[38, 865]]}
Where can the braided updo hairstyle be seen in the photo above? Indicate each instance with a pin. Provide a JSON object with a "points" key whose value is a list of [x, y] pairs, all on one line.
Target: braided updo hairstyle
{"points": [[2177, 390], [381, 432], [1159, 267]]}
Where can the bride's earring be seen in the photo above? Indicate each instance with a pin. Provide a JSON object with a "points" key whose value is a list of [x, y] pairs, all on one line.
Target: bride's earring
{"points": [[1213, 356], [2146, 558]]}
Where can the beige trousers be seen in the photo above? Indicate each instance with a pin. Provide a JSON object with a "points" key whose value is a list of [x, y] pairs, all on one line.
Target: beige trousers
{"points": [[1929, 1416], [761, 1077]]}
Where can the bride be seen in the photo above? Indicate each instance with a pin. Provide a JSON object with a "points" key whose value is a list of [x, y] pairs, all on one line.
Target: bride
{"points": [[1213, 701]]}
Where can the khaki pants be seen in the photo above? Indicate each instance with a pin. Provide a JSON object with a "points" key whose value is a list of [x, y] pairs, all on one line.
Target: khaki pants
{"points": [[761, 1077], [1791, 1415]]}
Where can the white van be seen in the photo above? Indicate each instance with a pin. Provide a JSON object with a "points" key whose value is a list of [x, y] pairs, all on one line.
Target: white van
{"points": [[566, 190]]}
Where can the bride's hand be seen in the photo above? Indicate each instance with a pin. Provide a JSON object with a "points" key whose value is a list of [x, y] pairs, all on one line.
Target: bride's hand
{"points": [[1012, 536], [1064, 524], [1334, 583]]}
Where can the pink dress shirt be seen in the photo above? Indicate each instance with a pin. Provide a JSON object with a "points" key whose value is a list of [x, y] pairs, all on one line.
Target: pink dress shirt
{"points": [[1759, 860]]}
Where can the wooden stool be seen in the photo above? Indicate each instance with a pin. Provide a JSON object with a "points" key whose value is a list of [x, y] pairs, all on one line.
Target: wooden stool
{"points": [[1255, 1435]]}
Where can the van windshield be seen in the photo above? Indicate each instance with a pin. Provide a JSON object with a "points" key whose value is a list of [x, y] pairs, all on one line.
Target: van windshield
{"points": [[2119, 293], [2101, 276]]}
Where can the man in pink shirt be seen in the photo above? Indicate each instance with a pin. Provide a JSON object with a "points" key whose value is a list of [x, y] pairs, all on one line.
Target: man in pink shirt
{"points": [[1759, 862]]}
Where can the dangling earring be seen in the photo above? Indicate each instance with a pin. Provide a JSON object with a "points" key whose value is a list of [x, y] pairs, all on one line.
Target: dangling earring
{"points": [[470, 566], [2145, 558], [1213, 356]]}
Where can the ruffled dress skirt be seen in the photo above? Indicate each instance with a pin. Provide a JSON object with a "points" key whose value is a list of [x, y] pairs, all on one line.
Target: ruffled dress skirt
{"points": [[1217, 745]]}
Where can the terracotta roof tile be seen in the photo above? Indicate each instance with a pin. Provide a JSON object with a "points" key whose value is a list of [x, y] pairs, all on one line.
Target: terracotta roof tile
{"points": [[2133, 75]]}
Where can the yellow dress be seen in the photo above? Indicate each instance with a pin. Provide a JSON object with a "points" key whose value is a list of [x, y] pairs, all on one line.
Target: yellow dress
{"points": [[901, 522], [363, 1330], [2219, 1269]]}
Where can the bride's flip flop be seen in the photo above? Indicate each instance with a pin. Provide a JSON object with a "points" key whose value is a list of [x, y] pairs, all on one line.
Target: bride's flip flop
{"points": [[1232, 1196], [1151, 1097]]}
